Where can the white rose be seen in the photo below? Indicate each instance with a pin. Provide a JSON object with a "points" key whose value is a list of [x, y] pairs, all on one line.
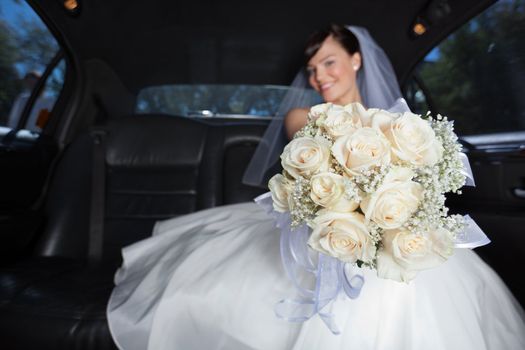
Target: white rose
{"points": [[306, 156], [319, 111], [381, 119], [413, 140], [357, 109], [404, 254], [327, 190], [343, 236], [280, 187], [363, 149], [394, 201], [339, 121]]}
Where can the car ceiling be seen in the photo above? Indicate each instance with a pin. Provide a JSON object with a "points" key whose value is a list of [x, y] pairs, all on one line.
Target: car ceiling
{"points": [[153, 42]]}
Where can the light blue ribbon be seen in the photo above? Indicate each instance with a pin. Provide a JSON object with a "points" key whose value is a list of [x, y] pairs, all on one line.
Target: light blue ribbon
{"points": [[300, 263]]}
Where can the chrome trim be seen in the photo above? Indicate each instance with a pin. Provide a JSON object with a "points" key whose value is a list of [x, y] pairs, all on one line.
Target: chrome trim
{"points": [[496, 138], [230, 116]]}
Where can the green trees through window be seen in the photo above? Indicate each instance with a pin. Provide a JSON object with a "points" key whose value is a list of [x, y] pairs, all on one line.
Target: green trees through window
{"points": [[26, 48], [477, 75]]}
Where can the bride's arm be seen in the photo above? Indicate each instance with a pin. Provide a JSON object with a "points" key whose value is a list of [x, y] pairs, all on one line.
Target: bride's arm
{"points": [[295, 119]]}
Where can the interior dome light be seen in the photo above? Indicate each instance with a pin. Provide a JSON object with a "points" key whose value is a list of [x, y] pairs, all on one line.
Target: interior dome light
{"points": [[419, 28], [71, 5]]}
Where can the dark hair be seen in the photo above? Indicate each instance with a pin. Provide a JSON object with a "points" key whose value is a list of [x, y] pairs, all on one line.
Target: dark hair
{"points": [[343, 36]]}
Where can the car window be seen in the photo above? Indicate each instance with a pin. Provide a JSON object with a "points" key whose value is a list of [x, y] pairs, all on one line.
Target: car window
{"points": [[26, 49], [215, 100], [476, 76]]}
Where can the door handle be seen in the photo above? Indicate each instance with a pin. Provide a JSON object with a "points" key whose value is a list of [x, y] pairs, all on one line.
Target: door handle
{"points": [[519, 192]]}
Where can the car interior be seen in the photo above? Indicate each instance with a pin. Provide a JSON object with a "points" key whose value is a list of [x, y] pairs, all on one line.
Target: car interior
{"points": [[100, 171]]}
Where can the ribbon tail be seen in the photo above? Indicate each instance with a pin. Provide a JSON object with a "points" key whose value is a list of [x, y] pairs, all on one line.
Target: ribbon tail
{"points": [[298, 262], [325, 292], [467, 170], [352, 286], [327, 288]]}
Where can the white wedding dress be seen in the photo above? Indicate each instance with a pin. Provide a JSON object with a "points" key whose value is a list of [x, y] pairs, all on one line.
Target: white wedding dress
{"points": [[210, 280]]}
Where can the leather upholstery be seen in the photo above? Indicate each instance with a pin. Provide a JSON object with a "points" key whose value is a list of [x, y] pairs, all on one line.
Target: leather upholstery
{"points": [[157, 167], [54, 303]]}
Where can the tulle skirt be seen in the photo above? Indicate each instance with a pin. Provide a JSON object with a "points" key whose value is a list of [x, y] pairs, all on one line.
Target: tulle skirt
{"points": [[210, 280]]}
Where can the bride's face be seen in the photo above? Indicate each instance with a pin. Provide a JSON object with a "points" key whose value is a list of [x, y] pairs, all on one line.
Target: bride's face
{"points": [[332, 73]]}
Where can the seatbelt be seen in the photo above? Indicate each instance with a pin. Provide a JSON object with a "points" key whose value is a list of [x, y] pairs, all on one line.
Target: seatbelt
{"points": [[98, 192]]}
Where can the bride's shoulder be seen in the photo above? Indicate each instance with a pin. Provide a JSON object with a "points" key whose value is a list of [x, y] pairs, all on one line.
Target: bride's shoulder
{"points": [[294, 120]]}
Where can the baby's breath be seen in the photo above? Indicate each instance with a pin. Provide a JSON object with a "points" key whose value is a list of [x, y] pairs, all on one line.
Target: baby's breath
{"points": [[450, 167], [309, 130], [431, 210], [370, 179], [302, 208], [445, 176], [336, 168], [352, 191], [455, 224]]}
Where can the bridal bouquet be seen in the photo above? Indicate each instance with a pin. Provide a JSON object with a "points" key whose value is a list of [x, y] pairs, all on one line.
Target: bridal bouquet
{"points": [[370, 185]]}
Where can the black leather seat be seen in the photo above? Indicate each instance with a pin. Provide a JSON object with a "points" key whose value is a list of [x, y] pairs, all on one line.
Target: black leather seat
{"points": [[54, 303], [156, 167]]}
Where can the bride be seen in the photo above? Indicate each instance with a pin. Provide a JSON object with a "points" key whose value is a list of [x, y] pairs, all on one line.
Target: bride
{"points": [[211, 279]]}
